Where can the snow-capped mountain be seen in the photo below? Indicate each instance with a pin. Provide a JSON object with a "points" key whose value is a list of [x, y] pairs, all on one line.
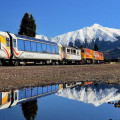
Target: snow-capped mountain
{"points": [[105, 38], [42, 37], [96, 95]]}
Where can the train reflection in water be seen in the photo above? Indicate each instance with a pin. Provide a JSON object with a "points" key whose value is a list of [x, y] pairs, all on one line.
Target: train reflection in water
{"points": [[86, 92], [14, 97]]}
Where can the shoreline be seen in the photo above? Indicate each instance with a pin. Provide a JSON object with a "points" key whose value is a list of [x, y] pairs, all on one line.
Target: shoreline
{"points": [[19, 77]]}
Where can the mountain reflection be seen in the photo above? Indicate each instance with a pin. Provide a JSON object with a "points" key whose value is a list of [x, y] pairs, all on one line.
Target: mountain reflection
{"points": [[95, 94], [30, 109]]}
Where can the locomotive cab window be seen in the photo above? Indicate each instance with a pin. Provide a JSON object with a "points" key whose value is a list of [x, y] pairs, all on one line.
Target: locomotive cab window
{"points": [[7, 40], [74, 52]]}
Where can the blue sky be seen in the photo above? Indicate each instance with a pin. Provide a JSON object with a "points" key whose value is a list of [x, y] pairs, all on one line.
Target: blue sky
{"points": [[56, 17]]}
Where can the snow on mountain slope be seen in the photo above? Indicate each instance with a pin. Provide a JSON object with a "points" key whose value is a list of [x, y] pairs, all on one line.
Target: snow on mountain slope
{"points": [[88, 34], [92, 94], [42, 37]]}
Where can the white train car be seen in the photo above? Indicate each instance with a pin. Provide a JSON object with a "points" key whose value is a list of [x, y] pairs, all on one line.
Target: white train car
{"points": [[72, 55], [5, 52], [32, 49], [17, 48]]}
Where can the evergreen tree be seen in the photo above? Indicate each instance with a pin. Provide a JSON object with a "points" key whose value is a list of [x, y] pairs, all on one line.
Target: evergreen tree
{"points": [[28, 26], [24, 27], [96, 47], [30, 109], [32, 27]]}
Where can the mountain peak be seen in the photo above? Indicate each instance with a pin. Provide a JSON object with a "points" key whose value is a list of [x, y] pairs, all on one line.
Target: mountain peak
{"points": [[96, 25], [96, 33]]}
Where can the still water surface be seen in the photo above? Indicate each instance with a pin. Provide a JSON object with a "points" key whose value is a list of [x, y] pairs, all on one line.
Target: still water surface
{"points": [[76, 101]]}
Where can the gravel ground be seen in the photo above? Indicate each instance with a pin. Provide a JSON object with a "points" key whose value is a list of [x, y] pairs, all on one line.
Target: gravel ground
{"points": [[27, 76]]}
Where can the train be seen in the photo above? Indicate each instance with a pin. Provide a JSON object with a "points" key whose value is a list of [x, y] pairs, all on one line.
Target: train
{"points": [[18, 49], [14, 97]]}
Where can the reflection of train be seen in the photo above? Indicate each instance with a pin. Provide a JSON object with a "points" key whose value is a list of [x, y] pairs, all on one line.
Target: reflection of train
{"points": [[11, 98], [15, 49]]}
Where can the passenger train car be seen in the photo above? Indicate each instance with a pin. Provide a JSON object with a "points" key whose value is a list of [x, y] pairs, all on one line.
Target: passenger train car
{"points": [[15, 49]]}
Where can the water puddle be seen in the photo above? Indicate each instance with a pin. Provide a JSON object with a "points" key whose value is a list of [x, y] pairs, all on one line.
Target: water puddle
{"points": [[73, 101]]}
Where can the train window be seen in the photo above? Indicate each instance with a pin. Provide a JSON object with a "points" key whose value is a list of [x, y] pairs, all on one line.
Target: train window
{"points": [[7, 40], [27, 46], [56, 49], [68, 51], [82, 50], [39, 47], [20, 44], [9, 97], [49, 48], [78, 53], [53, 48], [33, 46], [44, 47], [63, 49], [14, 42], [74, 52], [22, 94], [28, 92], [15, 95]]}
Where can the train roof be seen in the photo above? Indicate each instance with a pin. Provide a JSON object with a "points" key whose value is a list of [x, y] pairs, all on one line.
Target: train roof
{"points": [[71, 47], [35, 39]]}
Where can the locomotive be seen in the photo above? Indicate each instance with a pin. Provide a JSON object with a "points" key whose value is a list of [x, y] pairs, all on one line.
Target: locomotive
{"points": [[16, 49]]}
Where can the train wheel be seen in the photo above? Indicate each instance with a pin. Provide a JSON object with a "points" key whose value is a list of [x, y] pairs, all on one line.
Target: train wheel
{"points": [[1, 63], [53, 62], [35, 62], [66, 62], [25, 63], [77, 63], [17, 63]]}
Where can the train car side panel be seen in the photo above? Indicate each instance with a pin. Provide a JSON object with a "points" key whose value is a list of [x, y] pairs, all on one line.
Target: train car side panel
{"points": [[5, 46]]}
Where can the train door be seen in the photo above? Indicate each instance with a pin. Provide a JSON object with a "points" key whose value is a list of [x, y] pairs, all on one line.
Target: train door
{"points": [[14, 97]]}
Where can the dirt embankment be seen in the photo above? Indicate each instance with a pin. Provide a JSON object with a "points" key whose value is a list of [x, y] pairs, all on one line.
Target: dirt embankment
{"points": [[25, 76]]}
